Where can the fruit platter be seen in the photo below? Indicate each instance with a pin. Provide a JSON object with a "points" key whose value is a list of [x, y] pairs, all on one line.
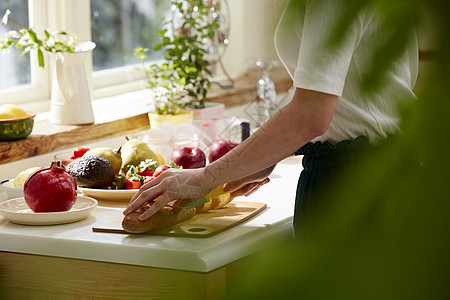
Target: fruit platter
{"points": [[117, 174]]}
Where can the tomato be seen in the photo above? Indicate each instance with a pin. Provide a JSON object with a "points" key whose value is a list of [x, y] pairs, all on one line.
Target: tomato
{"points": [[130, 184], [80, 151], [147, 172], [160, 169], [148, 179]]}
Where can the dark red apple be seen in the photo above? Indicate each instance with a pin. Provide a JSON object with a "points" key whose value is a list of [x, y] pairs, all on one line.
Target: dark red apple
{"points": [[189, 157], [50, 189], [219, 148]]}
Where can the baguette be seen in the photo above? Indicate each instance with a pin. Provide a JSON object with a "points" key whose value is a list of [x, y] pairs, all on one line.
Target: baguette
{"points": [[215, 203], [165, 217], [169, 215]]}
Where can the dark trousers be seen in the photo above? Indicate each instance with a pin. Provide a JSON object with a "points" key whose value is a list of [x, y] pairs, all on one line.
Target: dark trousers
{"points": [[330, 179]]}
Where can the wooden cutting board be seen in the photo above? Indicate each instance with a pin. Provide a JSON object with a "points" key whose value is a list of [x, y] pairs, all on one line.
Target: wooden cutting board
{"points": [[200, 225]]}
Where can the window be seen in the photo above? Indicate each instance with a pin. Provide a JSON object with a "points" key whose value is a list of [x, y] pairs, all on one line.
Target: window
{"points": [[22, 81], [118, 26], [14, 70]]}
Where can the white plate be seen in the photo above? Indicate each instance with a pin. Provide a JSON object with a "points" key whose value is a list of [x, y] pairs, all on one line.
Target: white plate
{"points": [[11, 190], [17, 211], [110, 195]]}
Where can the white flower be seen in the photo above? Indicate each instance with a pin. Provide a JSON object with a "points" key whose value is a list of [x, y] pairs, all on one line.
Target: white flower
{"points": [[50, 42], [12, 34], [5, 17], [73, 39], [25, 40]]}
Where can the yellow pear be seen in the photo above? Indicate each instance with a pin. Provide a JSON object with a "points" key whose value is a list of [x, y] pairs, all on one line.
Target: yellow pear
{"points": [[134, 151], [113, 156]]}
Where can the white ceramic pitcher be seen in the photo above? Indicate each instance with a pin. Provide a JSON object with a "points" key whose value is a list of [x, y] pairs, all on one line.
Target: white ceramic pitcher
{"points": [[71, 95]]}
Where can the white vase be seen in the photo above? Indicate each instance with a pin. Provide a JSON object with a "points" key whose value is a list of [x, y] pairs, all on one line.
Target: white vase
{"points": [[71, 96]]}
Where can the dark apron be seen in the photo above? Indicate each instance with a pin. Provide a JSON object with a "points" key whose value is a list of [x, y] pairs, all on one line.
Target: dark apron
{"points": [[327, 176]]}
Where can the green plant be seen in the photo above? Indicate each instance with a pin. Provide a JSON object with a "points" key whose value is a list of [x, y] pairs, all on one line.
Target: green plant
{"points": [[166, 86], [27, 38], [185, 72]]}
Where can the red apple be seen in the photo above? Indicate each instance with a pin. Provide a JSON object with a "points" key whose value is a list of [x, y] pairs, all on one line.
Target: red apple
{"points": [[189, 157], [219, 148]]}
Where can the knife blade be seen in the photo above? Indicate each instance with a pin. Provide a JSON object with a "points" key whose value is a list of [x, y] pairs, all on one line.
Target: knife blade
{"points": [[218, 191], [214, 193]]}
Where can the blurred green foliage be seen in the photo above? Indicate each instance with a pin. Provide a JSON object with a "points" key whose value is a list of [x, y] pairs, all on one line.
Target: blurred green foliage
{"points": [[405, 252]]}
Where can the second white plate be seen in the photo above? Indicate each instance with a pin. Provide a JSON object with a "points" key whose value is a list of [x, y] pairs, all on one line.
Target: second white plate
{"points": [[11, 189], [110, 195]]}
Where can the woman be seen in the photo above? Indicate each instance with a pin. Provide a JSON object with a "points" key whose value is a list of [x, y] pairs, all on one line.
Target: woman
{"points": [[331, 119]]}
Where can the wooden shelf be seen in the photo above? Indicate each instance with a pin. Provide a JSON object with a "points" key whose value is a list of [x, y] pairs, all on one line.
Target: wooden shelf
{"points": [[47, 137]]}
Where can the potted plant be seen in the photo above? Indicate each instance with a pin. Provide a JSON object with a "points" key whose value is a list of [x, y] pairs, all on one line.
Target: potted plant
{"points": [[70, 99], [182, 81], [168, 92]]}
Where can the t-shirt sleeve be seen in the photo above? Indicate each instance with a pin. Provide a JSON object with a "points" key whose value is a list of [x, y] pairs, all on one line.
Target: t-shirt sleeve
{"points": [[322, 67]]}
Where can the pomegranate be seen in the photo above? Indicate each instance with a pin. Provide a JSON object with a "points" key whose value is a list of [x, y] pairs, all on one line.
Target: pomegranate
{"points": [[50, 189], [219, 148]]}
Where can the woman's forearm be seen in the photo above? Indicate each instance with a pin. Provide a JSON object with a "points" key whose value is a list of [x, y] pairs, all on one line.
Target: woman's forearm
{"points": [[307, 116]]}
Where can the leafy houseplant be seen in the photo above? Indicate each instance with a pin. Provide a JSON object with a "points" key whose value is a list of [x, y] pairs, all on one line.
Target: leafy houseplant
{"points": [[182, 80], [27, 38]]}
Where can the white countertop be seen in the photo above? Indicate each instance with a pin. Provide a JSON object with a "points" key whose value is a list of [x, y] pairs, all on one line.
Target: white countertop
{"points": [[77, 240]]}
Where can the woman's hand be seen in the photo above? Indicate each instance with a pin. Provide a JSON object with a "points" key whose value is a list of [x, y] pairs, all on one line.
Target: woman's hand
{"points": [[248, 184], [172, 184]]}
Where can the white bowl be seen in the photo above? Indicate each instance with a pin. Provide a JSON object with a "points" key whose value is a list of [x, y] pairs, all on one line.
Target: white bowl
{"points": [[11, 190]]}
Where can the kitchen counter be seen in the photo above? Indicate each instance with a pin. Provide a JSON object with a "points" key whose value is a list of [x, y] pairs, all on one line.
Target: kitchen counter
{"points": [[76, 240], [75, 243]]}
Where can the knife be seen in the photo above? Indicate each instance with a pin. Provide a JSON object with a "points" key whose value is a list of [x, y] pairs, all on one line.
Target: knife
{"points": [[214, 193]]}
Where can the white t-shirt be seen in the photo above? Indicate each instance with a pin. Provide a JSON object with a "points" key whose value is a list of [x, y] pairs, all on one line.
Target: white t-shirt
{"points": [[301, 42]]}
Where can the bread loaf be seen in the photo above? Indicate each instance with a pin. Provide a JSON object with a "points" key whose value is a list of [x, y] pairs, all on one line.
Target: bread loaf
{"points": [[215, 203], [163, 218], [169, 215]]}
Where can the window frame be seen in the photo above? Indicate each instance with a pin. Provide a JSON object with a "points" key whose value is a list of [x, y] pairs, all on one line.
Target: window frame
{"points": [[39, 87], [72, 16]]}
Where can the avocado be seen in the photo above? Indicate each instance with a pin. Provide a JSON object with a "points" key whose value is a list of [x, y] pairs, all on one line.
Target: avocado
{"points": [[113, 156], [92, 171]]}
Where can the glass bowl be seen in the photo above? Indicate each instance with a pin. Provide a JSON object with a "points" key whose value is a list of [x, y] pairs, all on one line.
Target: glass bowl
{"points": [[65, 157]]}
